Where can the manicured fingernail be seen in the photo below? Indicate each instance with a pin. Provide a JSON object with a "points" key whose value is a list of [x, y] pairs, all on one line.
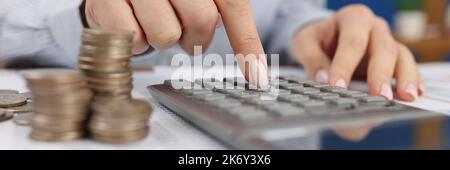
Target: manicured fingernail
{"points": [[341, 83], [263, 79], [411, 89], [421, 89], [258, 74], [386, 91], [322, 76]]}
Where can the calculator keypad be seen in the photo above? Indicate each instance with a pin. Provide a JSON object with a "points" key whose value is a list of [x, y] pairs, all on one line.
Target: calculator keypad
{"points": [[287, 97]]}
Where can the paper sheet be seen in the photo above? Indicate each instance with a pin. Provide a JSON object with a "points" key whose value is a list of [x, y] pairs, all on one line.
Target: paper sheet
{"points": [[437, 84], [168, 131]]}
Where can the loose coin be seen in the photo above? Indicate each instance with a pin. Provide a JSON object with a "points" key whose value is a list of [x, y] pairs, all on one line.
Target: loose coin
{"points": [[23, 119], [22, 109], [12, 100]]}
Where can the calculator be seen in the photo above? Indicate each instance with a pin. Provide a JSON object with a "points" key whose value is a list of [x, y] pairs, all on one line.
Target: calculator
{"points": [[243, 116]]}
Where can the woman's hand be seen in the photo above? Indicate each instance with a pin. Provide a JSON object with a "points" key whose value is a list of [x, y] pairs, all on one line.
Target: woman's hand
{"points": [[164, 23], [356, 43]]}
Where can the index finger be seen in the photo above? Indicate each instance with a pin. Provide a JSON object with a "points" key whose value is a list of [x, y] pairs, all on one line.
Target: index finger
{"points": [[239, 23]]}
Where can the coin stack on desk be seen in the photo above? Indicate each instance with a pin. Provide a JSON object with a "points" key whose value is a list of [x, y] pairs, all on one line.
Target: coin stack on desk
{"points": [[120, 121], [60, 104], [104, 58]]}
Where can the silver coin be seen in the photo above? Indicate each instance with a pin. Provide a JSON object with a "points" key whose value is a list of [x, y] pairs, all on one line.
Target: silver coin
{"points": [[12, 100], [23, 119], [28, 95], [22, 109]]}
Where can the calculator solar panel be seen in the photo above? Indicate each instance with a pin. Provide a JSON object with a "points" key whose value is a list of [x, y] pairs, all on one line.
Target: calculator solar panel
{"points": [[238, 114]]}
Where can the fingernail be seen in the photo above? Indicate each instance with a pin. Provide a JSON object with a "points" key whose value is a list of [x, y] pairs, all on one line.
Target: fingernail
{"points": [[341, 83], [322, 76], [421, 89], [386, 91], [263, 79], [258, 74], [411, 89]]}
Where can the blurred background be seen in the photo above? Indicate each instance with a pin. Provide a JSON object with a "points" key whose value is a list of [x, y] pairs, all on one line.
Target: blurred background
{"points": [[423, 25]]}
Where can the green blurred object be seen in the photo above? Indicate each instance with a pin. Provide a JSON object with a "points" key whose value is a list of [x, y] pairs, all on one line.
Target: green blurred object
{"points": [[410, 5]]}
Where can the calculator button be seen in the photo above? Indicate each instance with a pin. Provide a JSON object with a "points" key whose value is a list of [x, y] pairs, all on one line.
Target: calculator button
{"points": [[237, 81], [247, 113], [285, 110], [298, 80], [373, 100], [294, 98], [225, 103], [229, 91], [306, 90], [325, 96], [315, 84], [345, 102], [179, 84], [353, 94], [279, 92], [210, 97], [312, 104], [258, 101], [245, 94], [277, 82], [289, 86], [333, 89], [213, 85], [191, 92]]}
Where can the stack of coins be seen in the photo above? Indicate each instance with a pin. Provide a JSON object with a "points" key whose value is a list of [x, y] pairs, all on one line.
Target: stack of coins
{"points": [[61, 100], [120, 121], [104, 58]]}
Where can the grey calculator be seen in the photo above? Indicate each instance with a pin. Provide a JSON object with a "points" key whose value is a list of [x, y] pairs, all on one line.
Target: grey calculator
{"points": [[245, 117]]}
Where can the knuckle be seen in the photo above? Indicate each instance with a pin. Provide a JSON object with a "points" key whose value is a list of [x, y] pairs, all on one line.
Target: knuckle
{"points": [[382, 23], [166, 38], [361, 10], [358, 10], [356, 42], [387, 46], [205, 19]]}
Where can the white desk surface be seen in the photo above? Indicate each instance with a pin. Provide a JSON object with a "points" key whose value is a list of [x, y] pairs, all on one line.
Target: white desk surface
{"points": [[168, 131]]}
